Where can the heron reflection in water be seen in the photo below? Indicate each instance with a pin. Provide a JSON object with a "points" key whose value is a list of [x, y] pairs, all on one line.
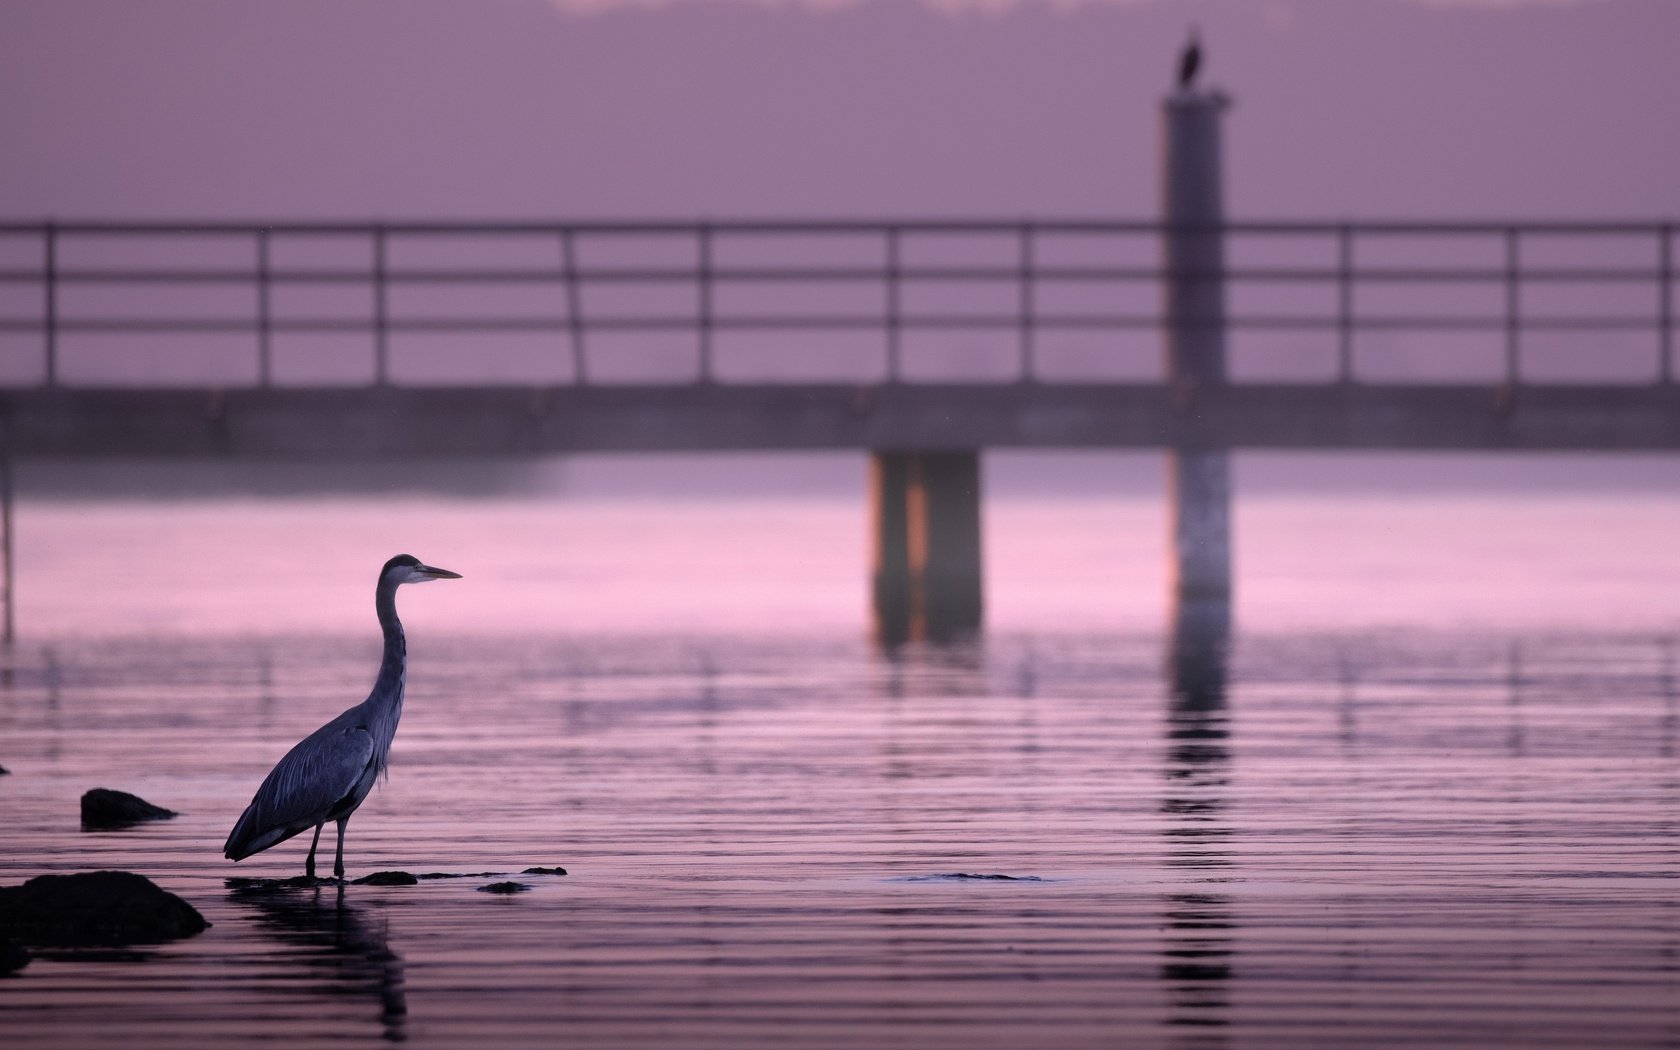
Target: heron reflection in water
{"points": [[346, 948], [327, 775]]}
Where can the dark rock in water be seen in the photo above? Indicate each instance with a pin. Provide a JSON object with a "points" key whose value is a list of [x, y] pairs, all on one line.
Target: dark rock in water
{"points": [[4, 771], [245, 882], [964, 876], [387, 878], [543, 871], [504, 887], [460, 875], [103, 808], [13, 956], [94, 908]]}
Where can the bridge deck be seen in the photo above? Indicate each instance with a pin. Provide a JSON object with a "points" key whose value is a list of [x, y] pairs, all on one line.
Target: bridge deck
{"points": [[342, 422]]}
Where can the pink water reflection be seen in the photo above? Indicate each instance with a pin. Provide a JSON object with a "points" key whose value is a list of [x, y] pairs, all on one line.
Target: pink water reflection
{"points": [[771, 565]]}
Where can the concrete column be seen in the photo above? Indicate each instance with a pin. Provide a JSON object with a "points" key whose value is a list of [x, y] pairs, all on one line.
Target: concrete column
{"points": [[890, 499], [1192, 206], [8, 617], [1197, 655], [927, 584]]}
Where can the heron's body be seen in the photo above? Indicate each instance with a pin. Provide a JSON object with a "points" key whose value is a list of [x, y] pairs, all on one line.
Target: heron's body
{"points": [[328, 774]]}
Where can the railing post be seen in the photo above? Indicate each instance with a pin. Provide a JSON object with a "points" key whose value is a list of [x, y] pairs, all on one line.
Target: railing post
{"points": [[49, 305], [1344, 316], [1513, 308], [1029, 367], [381, 351], [892, 304], [704, 278], [1665, 301], [574, 305], [265, 373]]}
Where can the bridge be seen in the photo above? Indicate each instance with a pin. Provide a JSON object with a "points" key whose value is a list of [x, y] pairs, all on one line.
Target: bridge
{"points": [[821, 334], [919, 341]]}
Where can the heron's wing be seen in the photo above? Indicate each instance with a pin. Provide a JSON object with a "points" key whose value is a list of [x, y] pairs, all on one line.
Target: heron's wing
{"points": [[321, 769], [304, 786]]}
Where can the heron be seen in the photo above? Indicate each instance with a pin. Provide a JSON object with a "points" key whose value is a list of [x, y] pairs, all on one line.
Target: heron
{"points": [[1189, 60], [328, 774]]}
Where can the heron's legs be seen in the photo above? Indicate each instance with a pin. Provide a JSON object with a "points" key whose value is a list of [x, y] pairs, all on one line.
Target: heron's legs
{"points": [[309, 864], [338, 863]]}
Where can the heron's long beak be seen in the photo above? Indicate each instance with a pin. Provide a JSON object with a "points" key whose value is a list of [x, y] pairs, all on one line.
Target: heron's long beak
{"points": [[437, 574]]}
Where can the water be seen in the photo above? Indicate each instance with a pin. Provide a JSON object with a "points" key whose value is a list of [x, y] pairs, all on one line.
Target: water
{"points": [[1401, 811]]}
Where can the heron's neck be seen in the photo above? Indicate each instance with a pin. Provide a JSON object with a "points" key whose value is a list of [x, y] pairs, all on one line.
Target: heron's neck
{"points": [[391, 666]]}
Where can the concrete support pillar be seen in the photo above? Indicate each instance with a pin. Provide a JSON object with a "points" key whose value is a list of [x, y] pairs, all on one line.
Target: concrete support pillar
{"points": [[1199, 483], [8, 618], [1192, 206], [927, 584]]}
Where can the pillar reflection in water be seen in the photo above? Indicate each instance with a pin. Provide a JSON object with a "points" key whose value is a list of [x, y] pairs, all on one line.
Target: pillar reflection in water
{"points": [[1197, 919], [348, 950]]}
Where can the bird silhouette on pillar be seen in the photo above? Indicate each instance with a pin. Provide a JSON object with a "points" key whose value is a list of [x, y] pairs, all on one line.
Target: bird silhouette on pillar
{"points": [[1189, 61]]}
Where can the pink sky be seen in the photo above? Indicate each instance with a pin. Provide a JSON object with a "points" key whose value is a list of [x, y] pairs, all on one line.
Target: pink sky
{"points": [[479, 108]]}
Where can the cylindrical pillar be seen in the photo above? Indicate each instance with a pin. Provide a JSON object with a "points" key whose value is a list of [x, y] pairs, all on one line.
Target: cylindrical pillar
{"points": [[891, 590], [8, 575], [1192, 207], [927, 578], [1200, 490], [946, 542]]}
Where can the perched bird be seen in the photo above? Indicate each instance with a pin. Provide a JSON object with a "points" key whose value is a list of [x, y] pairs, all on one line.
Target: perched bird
{"points": [[1189, 60], [326, 776]]}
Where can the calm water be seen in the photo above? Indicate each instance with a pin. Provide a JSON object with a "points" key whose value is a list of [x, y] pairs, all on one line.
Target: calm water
{"points": [[1434, 816]]}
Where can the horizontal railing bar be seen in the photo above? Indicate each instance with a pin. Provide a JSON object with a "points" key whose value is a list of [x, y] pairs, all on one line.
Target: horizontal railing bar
{"points": [[747, 321], [627, 275], [864, 226]]}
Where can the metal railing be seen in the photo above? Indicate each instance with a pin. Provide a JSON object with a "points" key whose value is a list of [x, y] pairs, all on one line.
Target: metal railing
{"points": [[1030, 271]]}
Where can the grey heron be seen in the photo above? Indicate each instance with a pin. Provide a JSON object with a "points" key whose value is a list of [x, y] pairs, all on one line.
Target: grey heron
{"points": [[328, 774]]}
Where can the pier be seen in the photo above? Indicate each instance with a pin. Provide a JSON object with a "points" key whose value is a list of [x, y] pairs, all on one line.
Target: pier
{"points": [[920, 342]]}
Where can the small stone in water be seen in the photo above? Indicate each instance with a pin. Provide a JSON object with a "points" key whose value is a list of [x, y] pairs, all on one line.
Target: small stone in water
{"points": [[103, 808], [544, 871], [240, 882], [387, 878], [504, 887]]}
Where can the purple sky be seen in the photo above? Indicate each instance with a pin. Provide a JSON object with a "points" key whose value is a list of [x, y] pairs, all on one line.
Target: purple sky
{"points": [[484, 108]]}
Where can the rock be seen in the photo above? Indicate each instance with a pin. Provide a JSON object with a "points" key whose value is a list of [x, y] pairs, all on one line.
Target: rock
{"points": [[4, 771], [94, 908], [243, 882], [966, 876], [543, 871], [388, 878], [13, 956], [103, 808], [504, 887]]}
